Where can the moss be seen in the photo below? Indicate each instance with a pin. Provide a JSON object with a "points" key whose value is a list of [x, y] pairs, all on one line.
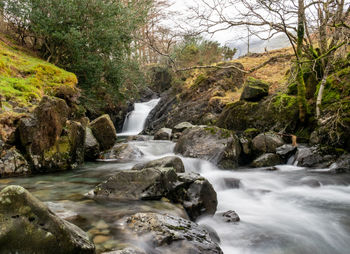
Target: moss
{"points": [[24, 79], [62, 147], [284, 101], [200, 79]]}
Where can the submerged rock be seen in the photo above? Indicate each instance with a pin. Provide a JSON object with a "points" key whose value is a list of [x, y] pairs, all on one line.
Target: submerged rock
{"points": [[170, 234], [91, 147], [122, 153], [104, 131], [232, 183], [165, 162], [28, 226], [217, 145], [229, 216], [267, 160], [267, 142], [163, 134], [254, 90], [194, 192], [12, 163]]}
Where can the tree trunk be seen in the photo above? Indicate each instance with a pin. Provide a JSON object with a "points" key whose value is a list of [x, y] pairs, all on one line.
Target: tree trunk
{"points": [[320, 91], [300, 75]]}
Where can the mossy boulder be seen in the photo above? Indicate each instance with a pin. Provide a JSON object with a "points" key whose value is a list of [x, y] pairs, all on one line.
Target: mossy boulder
{"points": [[217, 145], [28, 226], [278, 112], [267, 142], [104, 131], [254, 90]]}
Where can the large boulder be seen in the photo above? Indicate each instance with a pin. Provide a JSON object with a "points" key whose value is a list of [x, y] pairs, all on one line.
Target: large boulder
{"points": [[163, 134], [254, 90], [165, 162], [12, 163], [312, 157], [267, 160], [169, 234], [217, 145], [28, 226], [51, 142], [104, 131], [194, 192], [122, 153], [267, 142], [91, 146]]}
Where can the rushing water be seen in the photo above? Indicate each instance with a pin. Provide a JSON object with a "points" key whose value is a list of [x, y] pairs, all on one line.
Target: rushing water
{"points": [[136, 119], [280, 211]]}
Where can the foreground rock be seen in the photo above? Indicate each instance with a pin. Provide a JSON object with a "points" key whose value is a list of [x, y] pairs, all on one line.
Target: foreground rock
{"points": [[217, 145], [28, 226], [122, 153], [170, 234], [163, 134], [194, 192], [165, 162], [267, 142], [12, 163], [91, 147], [254, 90], [104, 131], [267, 160], [50, 141]]}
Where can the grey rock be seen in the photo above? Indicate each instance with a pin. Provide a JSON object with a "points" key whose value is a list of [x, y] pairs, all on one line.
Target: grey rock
{"points": [[217, 145], [122, 153], [286, 151], [182, 126], [104, 131], [139, 138], [91, 147], [311, 182], [254, 90], [267, 160], [229, 216], [312, 157], [232, 183], [165, 162], [163, 134], [342, 165], [267, 142], [28, 226], [12, 163], [128, 250], [169, 234]]}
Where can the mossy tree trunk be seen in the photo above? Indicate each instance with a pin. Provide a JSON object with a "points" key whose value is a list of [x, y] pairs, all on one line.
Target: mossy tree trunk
{"points": [[300, 75]]}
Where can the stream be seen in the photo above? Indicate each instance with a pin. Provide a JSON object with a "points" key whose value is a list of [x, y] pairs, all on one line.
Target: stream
{"points": [[281, 211]]}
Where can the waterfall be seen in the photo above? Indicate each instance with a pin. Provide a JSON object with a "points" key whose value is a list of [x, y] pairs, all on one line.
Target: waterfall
{"points": [[136, 119]]}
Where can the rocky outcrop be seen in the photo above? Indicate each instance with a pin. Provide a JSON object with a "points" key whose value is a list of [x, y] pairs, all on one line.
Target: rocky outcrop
{"points": [[267, 160], [217, 145], [267, 142], [91, 146], [194, 192], [165, 162], [12, 163], [170, 234], [122, 153], [104, 131], [163, 134], [50, 141], [254, 90], [28, 226]]}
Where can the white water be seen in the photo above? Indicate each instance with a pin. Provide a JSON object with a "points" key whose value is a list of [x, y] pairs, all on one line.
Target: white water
{"points": [[279, 215], [136, 119]]}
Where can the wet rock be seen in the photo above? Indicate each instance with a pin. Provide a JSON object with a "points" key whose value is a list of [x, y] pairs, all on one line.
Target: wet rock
{"points": [[104, 131], [254, 90], [217, 145], [165, 162], [28, 226], [286, 151], [267, 142], [91, 147], [312, 157], [12, 163], [311, 182], [212, 233], [232, 183], [122, 153], [194, 192], [229, 216], [342, 165], [126, 251], [163, 134], [169, 234], [267, 160], [182, 126], [139, 138]]}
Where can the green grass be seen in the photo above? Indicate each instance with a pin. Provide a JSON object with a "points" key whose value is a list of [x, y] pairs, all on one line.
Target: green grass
{"points": [[24, 79]]}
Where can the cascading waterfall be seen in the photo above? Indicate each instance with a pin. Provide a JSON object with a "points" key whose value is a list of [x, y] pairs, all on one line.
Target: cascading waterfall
{"points": [[136, 119]]}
